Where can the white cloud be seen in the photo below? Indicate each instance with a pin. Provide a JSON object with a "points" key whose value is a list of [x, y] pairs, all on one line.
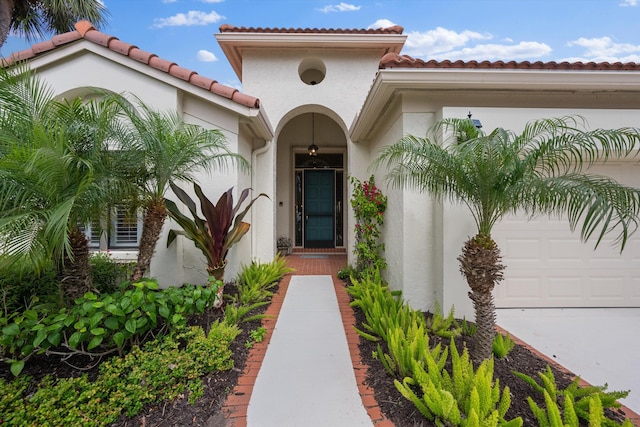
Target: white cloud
{"points": [[604, 49], [381, 23], [211, 1], [191, 18], [440, 40], [169, 1], [206, 56], [496, 52], [441, 43], [342, 7], [631, 3]]}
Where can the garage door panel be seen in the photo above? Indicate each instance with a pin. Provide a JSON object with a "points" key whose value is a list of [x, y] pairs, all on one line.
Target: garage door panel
{"points": [[565, 288], [607, 288], [549, 266], [525, 289]]}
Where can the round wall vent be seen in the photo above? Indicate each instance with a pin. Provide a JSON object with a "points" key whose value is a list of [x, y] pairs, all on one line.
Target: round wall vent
{"points": [[312, 71]]}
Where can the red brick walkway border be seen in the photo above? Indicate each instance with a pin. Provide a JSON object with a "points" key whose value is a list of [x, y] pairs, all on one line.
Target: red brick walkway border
{"points": [[237, 403]]}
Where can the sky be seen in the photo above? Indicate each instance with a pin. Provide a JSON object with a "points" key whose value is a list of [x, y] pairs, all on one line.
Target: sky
{"points": [[522, 30]]}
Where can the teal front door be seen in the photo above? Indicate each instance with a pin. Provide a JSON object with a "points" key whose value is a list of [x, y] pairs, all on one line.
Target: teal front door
{"points": [[319, 195]]}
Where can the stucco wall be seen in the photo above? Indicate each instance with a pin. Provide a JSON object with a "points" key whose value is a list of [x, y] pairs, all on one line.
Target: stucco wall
{"points": [[412, 222], [272, 75]]}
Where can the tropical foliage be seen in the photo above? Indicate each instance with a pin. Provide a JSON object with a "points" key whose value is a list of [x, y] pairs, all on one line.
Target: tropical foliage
{"points": [[160, 148], [543, 170], [221, 228], [56, 174]]}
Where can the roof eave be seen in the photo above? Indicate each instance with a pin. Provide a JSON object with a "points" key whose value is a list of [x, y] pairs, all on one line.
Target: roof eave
{"points": [[83, 46], [390, 82]]}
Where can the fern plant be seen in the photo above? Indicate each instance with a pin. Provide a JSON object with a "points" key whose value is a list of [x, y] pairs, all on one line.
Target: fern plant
{"points": [[384, 310], [462, 397], [502, 345], [588, 403], [445, 327], [407, 347]]}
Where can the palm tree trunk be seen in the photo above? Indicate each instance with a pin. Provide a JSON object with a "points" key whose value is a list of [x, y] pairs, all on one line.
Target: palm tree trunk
{"points": [[480, 263], [6, 13], [75, 277], [152, 223], [485, 310]]}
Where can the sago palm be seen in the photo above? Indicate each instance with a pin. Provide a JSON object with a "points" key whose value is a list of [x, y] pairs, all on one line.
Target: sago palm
{"points": [[56, 174], [543, 170], [34, 18], [161, 148]]}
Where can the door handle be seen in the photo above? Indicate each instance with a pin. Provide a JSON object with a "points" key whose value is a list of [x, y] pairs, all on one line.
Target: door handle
{"points": [[306, 219]]}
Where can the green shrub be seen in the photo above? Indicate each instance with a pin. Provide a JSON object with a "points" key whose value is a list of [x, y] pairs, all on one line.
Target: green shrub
{"points": [[106, 273], [21, 287], [100, 324], [161, 370], [452, 394]]}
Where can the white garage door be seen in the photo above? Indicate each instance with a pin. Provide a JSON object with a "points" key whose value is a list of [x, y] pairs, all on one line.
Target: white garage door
{"points": [[548, 266]]}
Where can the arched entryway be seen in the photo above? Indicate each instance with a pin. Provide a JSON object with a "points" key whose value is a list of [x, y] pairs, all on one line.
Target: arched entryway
{"points": [[311, 182]]}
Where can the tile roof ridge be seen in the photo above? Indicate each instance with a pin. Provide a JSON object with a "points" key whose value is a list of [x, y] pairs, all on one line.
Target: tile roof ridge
{"points": [[85, 30], [394, 60], [394, 29]]}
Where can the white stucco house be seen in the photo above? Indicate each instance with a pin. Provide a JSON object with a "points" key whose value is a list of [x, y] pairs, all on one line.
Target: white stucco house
{"points": [[350, 92]]}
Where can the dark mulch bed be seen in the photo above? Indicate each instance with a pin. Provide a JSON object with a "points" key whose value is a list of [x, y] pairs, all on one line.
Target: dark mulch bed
{"points": [[207, 410]]}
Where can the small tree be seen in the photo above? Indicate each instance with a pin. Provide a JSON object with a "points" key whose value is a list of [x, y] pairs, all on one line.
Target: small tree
{"points": [[540, 171], [221, 228], [56, 175]]}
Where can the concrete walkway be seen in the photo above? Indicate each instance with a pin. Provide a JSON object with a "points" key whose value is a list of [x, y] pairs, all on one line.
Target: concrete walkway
{"points": [[307, 364]]}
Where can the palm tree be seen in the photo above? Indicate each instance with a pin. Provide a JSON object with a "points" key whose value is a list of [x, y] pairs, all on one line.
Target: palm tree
{"points": [[162, 148], [540, 171], [34, 18], [55, 176]]}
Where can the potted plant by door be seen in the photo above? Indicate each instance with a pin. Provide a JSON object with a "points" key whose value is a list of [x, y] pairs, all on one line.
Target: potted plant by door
{"points": [[284, 245]]}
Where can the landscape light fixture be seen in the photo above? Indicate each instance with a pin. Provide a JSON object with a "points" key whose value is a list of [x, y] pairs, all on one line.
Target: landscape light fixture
{"points": [[475, 122], [313, 148]]}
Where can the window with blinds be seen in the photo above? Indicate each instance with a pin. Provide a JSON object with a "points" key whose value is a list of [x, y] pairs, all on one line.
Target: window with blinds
{"points": [[126, 228], [120, 229]]}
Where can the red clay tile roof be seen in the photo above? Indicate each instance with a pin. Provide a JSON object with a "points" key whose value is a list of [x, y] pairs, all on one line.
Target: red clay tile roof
{"points": [[84, 30], [393, 60], [226, 28]]}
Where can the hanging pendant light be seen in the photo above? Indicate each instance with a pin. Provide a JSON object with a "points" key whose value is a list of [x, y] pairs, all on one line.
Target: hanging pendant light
{"points": [[313, 148]]}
